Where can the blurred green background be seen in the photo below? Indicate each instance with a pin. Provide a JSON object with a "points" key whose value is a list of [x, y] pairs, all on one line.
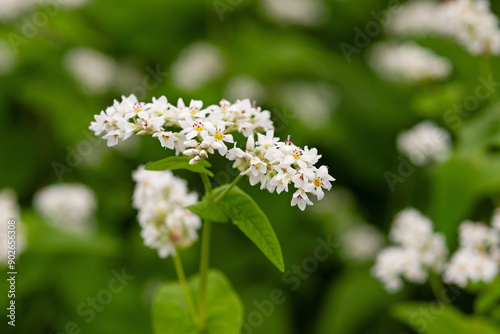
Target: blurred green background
{"points": [[347, 112]]}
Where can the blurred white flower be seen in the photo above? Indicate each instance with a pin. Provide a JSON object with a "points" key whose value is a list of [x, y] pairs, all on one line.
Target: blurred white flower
{"points": [[470, 265], [478, 256], [477, 235], [11, 9], [411, 229], [8, 57], [469, 22], [418, 250], [161, 199], [70, 207], [407, 62], [245, 86], [198, 64], [94, 71], [312, 102], [361, 242], [296, 12], [425, 142], [9, 209]]}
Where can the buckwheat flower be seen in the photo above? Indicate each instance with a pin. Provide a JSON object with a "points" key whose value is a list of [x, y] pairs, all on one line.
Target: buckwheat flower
{"points": [[11, 9], [94, 71], [361, 243], [410, 228], [424, 143], [477, 258], [393, 263], [197, 65], [417, 250], [477, 235], [469, 265], [407, 62], [167, 139], [9, 210], [300, 199], [296, 12], [468, 22], [322, 180], [70, 207], [8, 57], [161, 200]]}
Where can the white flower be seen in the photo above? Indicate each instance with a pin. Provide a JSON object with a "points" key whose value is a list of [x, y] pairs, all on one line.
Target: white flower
{"points": [[94, 71], [161, 199], [411, 229], [198, 132], [418, 250], [470, 265], [296, 12], [70, 207], [9, 209], [425, 142], [469, 22], [198, 64], [361, 243], [477, 235], [322, 180], [167, 139], [300, 198], [407, 62]]}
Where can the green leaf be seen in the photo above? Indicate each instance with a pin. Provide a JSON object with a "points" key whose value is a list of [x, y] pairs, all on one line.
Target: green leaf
{"points": [[217, 212], [438, 318], [253, 222], [488, 298], [224, 309], [182, 162]]}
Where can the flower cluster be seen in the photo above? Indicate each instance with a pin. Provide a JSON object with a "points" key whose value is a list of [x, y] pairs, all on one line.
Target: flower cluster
{"points": [[478, 257], [277, 164], [469, 22], [9, 209], [70, 207], [425, 142], [161, 199], [417, 250], [198, 132], [407, 62]]}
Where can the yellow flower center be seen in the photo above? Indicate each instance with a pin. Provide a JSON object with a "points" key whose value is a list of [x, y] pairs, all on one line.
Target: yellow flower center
{"points": [[198, 126], [297, 154], [318, 182], [219, 135]]}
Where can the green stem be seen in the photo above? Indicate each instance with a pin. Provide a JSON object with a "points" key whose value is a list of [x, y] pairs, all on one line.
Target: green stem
{"points": [[235, 182], [438, 288], [204, 264], [207, 185], [486, 71], [187, 294]]}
